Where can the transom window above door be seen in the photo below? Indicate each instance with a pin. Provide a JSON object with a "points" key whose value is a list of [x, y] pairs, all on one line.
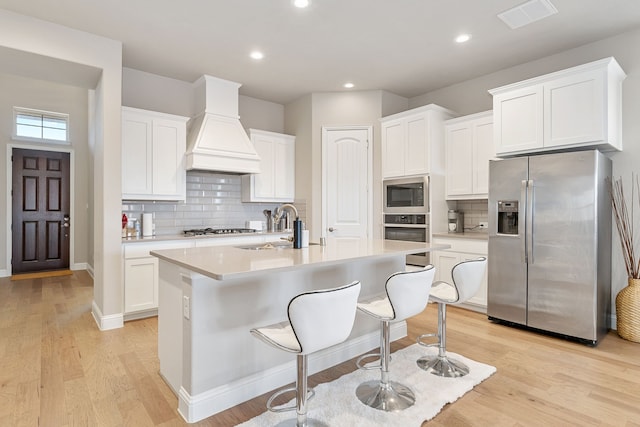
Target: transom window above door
{"points": [[37, 125]]}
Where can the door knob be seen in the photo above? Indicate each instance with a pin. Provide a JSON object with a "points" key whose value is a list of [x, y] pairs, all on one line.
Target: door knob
{"points": [[331, 229]]}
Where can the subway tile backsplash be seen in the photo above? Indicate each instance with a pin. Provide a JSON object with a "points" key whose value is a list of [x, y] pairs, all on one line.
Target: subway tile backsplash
{"points": [[475, 211], [213, 200]]}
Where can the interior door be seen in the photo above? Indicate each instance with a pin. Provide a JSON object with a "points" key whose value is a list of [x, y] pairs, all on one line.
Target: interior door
{"points": [[346, 180], [40, 211]]}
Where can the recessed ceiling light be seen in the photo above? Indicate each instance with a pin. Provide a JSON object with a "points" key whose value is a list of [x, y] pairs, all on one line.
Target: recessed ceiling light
{"points": [[256, 55], [301, 3], [348, 85], [463, 38]]}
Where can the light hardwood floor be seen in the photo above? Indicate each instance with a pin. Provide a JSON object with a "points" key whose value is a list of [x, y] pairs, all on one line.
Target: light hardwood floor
{"points": [[57, 369]]}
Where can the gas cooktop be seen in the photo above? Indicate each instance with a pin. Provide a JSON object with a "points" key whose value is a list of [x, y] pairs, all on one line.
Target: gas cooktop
{"points": [[204, 231]]}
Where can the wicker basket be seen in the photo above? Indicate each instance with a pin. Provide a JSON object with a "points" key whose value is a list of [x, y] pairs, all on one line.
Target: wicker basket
{"points": [[628, 311]]}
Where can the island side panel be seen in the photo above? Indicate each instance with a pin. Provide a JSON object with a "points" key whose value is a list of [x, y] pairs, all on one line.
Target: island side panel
{"points": [[170, 326], [220, 353]]}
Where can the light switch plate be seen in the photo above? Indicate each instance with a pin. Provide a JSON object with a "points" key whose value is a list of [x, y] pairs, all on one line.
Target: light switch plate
{"points": [[186, 307]]}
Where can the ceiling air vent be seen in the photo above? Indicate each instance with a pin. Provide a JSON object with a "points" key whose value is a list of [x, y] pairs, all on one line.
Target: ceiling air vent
{"points": [[528, 12]]}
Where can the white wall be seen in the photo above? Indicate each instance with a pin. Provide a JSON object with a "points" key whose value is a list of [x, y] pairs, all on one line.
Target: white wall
{"points": [[306, 117], [43, 95], [49, 40], [472, 96], [157, 93]]}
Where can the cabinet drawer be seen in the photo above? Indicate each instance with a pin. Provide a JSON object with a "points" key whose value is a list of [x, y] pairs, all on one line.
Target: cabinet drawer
{"points": [[141, 250], [472, 246]]}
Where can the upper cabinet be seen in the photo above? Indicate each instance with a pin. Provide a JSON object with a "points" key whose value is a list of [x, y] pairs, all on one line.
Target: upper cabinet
{"points": [[276, 181], [468, 148], [409, 139], [577, 107], [153, 147]]}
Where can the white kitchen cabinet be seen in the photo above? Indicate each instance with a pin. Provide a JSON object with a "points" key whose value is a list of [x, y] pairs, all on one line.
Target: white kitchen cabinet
{"points": [[468, 148], [573, 108], [412, 140], [153, 147], [461, 250], [276, 181], [141, 276]]}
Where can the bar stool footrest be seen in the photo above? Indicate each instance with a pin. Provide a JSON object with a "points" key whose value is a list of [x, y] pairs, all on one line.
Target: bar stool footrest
{"points": [[420, 339], [360, 365], [310, 395]]}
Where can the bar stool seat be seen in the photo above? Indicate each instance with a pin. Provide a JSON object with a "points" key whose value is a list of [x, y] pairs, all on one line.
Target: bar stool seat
{"points": [[467, 278], [317, 320], [407, 294]]}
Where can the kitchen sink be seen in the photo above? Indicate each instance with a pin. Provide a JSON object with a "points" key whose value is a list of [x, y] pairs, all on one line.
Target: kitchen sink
{"points": [[267, 246], [270, 246]]}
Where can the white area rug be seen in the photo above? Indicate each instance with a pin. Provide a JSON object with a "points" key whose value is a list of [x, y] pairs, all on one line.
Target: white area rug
{"points": [[336, 404]]}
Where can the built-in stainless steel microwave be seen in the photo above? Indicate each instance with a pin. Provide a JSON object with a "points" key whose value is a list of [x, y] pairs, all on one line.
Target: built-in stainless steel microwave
{"points": [[406, 195]]}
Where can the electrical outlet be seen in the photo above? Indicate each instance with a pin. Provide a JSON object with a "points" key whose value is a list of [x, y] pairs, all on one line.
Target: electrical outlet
{"points": [[186, 307], [484, 225]]}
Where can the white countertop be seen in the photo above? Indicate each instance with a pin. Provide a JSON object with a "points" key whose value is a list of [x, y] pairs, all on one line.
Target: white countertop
{"points": [[169, 237], [226, 262]]}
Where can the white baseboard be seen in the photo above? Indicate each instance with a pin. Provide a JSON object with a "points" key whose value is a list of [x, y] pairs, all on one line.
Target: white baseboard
{"points": [[90, 270], [78, 266], [105, 323], [203, 405], [4, 273]]}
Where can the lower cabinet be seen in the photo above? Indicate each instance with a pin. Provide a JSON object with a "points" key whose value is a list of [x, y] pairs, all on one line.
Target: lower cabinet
{"points": [[461, 250], [141, 276]]}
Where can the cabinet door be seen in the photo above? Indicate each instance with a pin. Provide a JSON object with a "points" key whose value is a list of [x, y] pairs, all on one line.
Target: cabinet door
{"points": [[167, 154], [141, 284], [393, 149], [575, 110], [480, 298], [459, 158], [264, 182], [136, 154], [417, 147], [444, 262], [518, 120], [483, 151], [285, 170]]}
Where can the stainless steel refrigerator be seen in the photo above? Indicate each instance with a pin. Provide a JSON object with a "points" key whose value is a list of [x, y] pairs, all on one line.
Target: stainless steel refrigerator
{"points": [[550, 243]]}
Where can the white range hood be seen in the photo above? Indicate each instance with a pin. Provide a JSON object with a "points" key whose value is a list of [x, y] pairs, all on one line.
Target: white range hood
{"points": [[216, 141]]}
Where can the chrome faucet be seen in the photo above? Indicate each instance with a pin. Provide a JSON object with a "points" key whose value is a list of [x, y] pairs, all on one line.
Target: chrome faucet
{"points": [[281, 209]]}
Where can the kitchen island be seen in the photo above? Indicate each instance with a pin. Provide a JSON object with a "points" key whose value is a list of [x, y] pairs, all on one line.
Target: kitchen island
{"points": [[209, 299]]}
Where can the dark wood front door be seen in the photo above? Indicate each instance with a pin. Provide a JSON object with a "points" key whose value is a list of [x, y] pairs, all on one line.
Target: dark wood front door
{"points": [[40, 213]]}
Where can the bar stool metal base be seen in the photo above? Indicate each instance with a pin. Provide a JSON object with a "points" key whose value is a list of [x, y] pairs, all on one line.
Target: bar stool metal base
{"points": [[389, 397], [311, 422], [443, 366]]}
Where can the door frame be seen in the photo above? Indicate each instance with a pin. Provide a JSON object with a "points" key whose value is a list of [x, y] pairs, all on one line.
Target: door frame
{"points": [[71, 152], [325, 155]]}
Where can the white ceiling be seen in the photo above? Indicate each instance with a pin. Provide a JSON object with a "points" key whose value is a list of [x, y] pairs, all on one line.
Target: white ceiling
{"points": [[402, 46]]}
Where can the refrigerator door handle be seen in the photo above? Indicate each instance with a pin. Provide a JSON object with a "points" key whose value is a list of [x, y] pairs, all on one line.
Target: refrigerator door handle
{"points": [[523, 221], [529, 221]]}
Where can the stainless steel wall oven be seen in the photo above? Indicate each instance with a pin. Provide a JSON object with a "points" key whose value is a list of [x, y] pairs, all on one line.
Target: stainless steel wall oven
{"points": [[411, 228]]}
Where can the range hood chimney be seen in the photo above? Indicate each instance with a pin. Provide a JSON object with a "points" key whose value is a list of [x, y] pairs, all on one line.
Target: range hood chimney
{"points": [[216, 141]]}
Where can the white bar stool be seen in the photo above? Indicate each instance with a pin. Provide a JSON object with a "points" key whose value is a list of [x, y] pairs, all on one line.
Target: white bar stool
{"points": [[317, 320], [407, 294], [467, 277]]}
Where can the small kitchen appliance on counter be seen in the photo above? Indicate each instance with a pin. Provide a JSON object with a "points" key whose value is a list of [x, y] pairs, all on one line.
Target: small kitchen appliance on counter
{"points": [[455, 221]]}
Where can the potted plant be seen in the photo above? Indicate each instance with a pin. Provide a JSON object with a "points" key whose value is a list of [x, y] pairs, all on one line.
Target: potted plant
{"points": [[628, 299]]}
